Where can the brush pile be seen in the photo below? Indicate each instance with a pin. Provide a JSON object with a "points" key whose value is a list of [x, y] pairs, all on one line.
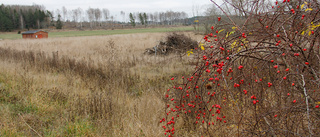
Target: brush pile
{"points": [[173, 43]]}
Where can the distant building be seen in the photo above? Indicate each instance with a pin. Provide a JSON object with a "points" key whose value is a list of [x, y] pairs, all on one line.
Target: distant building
{"points": [[35, 34]]}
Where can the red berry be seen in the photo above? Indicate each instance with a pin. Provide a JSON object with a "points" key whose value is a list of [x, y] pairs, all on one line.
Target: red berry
{"points": [[317, 106], [294, 101], [172, 78], [307, 63], [275, 115]]}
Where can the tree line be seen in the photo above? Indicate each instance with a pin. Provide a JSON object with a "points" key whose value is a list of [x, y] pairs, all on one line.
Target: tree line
{"points": [[20, 17], [23, 17], [96, 17]]}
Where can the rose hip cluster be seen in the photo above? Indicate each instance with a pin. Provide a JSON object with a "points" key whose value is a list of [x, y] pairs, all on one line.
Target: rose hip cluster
{"points": [[255, 78]]}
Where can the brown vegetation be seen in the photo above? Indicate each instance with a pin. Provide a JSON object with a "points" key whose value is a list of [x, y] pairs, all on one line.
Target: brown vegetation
{"points": [[260, 78], [88, 86], [174, 43]]}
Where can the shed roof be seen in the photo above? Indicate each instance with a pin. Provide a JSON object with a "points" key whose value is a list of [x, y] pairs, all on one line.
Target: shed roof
{"points": [[32, 31]]}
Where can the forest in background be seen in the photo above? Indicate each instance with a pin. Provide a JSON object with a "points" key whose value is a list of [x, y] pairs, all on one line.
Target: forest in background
{"points": [[21, 17]]}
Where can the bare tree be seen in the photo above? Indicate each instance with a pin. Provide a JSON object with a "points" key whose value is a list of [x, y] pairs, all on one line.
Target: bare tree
{"points": [[106, 14], [80, 12], [75, 15], [58, 12], [169, 15], [91, 17], [244, 7], [151, 18], [64, 13], [162, 18], [184, 16], [97, 15], [123, 14], [156, 17]]}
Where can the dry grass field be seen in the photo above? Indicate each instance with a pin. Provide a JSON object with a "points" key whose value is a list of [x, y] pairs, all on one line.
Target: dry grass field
{"points": [[85, 86]]}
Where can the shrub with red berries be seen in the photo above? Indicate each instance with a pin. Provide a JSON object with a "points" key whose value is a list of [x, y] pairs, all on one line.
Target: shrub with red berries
{"points": [[262, 78]]}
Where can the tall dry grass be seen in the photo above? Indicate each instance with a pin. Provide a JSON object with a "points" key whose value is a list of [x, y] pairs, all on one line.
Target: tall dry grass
{"points": [[84, 86]]}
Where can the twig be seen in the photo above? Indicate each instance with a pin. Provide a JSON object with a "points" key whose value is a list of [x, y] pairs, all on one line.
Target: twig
{"points": [[307, 103], [29, 126], [272, 131], [226, 15]]}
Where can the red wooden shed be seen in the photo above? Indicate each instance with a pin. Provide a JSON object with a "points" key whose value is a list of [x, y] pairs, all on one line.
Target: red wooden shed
{"points": [[35, 34]]}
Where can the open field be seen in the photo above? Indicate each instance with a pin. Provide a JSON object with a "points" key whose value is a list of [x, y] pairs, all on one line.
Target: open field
{"points": [[53, 34], [85, 86]]}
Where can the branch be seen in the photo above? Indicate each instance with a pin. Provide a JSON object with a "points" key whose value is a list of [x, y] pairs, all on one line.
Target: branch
{"points": [[307, 103]]}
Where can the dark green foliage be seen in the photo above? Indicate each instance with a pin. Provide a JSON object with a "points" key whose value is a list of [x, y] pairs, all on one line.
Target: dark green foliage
{"points": [[20, 17], [141, 18], [132, 20], [59, 23], [145, 18]]}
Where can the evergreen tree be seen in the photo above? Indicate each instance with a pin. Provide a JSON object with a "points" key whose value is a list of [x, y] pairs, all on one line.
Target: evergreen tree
{"points": [[132, 20], [145, 18], [59, 23], [141, 18], [26, 17]]}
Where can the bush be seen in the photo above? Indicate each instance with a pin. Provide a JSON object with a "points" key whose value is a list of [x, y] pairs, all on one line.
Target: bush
{"points": [[259, 79]]}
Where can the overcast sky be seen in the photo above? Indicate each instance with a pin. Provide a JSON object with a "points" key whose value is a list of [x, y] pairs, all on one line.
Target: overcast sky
{"points": [[115, 6]]}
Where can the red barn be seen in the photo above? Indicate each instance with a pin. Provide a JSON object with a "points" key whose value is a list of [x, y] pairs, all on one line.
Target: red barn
{"points": [[35, 34]]}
